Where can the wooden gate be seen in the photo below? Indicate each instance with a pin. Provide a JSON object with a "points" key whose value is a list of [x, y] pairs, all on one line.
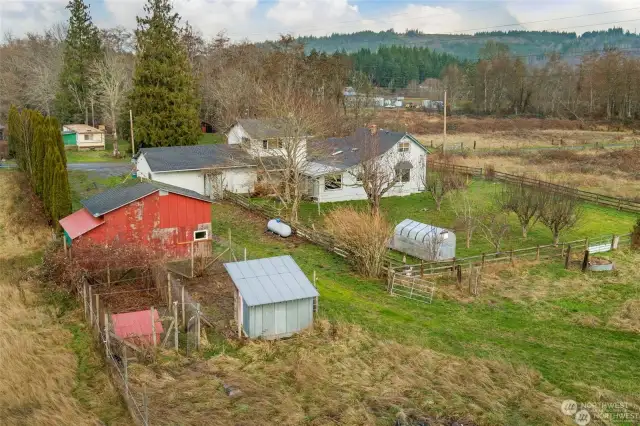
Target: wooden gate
{"points": [[412, 287]]}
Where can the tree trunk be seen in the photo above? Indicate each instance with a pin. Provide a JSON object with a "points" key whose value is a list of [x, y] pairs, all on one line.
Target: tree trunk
{"points": [[375, 206], [469, 235], [116, 152], [438, 202], [524, 231], [556, 238]]}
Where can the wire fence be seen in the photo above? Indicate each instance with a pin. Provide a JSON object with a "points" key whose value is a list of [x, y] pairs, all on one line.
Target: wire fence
{"points": [[622, 204]]}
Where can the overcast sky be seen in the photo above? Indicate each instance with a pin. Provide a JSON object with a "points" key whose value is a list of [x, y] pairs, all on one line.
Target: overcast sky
{"points": [[265, 19]]}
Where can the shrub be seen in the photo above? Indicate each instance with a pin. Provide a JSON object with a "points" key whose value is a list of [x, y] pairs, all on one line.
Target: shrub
{"points": [[364, 234]]}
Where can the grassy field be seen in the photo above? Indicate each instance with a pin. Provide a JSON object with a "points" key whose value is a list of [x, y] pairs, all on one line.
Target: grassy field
{"points": [[555, 325], [595, 221], [51, 373], [85, 184]]}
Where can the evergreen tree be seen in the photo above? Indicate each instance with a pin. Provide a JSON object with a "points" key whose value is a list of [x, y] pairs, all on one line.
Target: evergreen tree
{"points": [[81, 50], [163, 99]]}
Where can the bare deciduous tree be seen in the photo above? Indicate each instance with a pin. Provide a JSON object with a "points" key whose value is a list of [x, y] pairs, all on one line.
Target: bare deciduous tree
{"points": [[494, 226], [526, 202], [467, 214], [560, 212], [111, 78], [379, 171], [442, 181]]}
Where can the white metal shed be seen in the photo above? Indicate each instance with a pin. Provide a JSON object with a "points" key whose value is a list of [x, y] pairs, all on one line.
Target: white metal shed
{"points": [[424, 241], [275, 298]]}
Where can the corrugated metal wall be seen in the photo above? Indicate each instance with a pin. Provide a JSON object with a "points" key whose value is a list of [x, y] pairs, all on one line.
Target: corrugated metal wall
{"points": [[278, 319]]}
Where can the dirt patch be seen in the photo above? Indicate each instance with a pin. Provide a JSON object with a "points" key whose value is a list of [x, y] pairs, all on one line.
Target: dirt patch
{"points": [[214, 290], [131, 297], [338, 374], [627, 317]]}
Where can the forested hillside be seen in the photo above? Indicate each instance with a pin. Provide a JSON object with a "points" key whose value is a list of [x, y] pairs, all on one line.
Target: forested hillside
{"points": [[468, 46]]}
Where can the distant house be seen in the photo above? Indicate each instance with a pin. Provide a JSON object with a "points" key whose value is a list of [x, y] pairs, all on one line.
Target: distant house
{"points": [[205, 169], [82, 136], [349, 91], [263, 137], [159, 216], [333, 169]]}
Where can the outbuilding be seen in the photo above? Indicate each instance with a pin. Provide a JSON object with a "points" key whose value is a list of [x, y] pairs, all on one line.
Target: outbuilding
{"points": [[156, 215], [274, 297], [82, 136], [137, 327], [426, 242]]}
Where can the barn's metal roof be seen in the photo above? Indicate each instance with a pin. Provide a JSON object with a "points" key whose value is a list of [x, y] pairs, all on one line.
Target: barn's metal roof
{"points": [[124, 194], [79, 223], [418, 231], [195, 157], [270, 280]]}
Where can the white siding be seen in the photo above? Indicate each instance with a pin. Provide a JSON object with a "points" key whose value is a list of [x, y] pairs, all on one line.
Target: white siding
{"points": [[142, 167], [192, 180], [94, 140], [235, 135], [352, 191], [255, 146]]}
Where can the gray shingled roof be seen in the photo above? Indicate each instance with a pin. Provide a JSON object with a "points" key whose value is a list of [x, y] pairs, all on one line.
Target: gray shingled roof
{"points": [[270, 280], [263, 128], [124, 194], [352, 153], [195, 157]]}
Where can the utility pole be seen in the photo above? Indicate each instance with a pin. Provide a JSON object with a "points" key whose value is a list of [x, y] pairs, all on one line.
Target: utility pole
{"points": [[133, 144], [444, 140]]}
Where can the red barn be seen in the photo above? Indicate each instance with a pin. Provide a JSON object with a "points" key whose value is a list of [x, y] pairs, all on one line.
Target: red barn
{"points": [[160, 216]]}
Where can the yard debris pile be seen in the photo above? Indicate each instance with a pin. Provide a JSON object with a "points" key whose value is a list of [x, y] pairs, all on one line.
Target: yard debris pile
{"points": [[339, 374]]}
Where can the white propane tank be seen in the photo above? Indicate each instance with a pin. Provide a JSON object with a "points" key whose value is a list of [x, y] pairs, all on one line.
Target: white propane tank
{"points": [[278, 227]]}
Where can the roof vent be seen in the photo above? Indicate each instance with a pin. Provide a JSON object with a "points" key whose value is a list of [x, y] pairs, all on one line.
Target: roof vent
{"points": [[354, 149], [337, 152]]}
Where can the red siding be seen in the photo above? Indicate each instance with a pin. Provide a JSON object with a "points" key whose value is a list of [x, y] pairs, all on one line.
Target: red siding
{"points": [[160, 222]]}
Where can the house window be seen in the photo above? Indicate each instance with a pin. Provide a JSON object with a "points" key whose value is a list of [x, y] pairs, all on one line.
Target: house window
{"points": [[404, 175], [272, 143], [200, 235], [87, 137], [404, 146], [332, 182]]}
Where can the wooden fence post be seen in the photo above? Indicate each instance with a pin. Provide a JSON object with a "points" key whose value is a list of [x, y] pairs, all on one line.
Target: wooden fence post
{"points": [[145, 405], [106, 333], [197, 326], [615, 240], [84, 298], [230, 254], [192, 257], [483, 255], [175, 321], [567, 258], [153, 326], [98, 311], [459, 274], [585, 261], [421, 268], [537, 253], [586, 243], [184, 315], [169, 296], [90, 306]]}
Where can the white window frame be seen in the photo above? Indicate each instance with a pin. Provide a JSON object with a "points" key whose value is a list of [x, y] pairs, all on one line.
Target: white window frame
{"points": [[206, 235], [401, 173], [404, 146], [340, 181], [268, 143]]}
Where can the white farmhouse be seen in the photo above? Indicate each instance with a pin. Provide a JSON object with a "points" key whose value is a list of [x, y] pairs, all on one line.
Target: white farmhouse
{"points": [[83, 136], [333, 168], [329, 166], [205, 169]]}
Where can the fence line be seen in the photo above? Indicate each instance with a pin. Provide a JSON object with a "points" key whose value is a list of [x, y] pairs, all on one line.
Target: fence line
{"points": [[596, 245], [622, 204], [323, 239]]}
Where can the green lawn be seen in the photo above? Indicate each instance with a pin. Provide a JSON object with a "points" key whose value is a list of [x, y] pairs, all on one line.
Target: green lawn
{"points": [[211, 138], [579, 360], [85, 184], [596, 220]]}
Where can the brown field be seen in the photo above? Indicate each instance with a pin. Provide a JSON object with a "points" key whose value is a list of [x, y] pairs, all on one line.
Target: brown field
{"points": [[508, 133], [609, 172], [43, 381], [339, 374]]}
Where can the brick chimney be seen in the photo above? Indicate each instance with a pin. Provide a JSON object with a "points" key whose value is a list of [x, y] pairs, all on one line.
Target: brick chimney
{"points": [[373, 129]]}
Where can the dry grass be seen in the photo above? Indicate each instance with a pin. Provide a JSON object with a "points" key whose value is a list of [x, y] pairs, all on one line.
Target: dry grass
{"points": [[529, 282], [338, 374], [627, 317], [39, 380], [615, 173]]}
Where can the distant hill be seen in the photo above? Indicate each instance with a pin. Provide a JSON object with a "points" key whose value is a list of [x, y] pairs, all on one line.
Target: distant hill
{"points": [[529, 43]]}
